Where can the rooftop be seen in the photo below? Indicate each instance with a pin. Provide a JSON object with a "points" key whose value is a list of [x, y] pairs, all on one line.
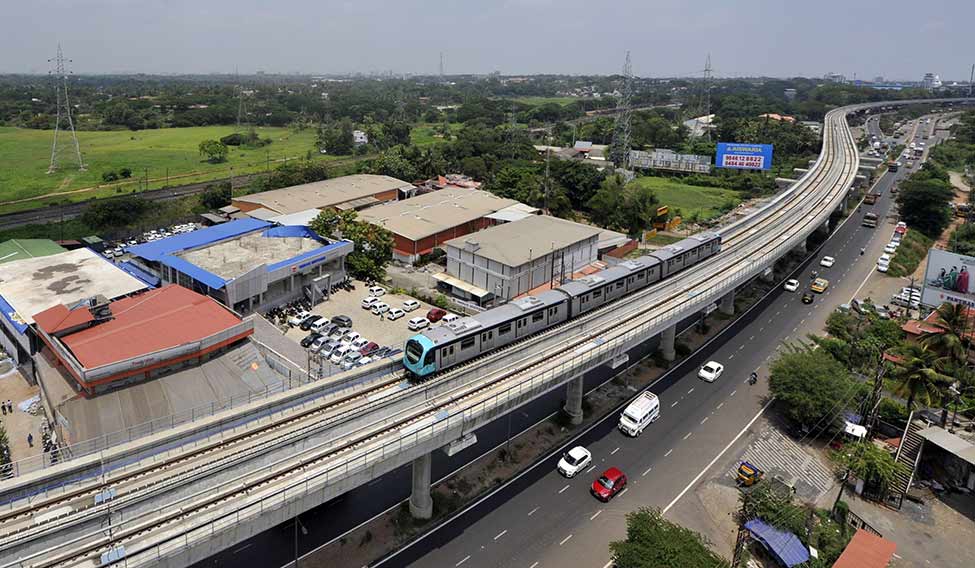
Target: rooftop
{"points": [[230, 258], [145, 323], [19, 249], [32, 285], [322, 194], [517, 242], [866, 550], [431, 213]]}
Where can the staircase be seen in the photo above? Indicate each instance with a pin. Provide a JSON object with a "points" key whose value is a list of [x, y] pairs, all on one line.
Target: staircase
{"points": [[908, 454]]}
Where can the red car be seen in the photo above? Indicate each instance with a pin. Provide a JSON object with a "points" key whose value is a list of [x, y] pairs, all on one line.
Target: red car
{"points": [[611, 482], [369, 348], [436, 314]]}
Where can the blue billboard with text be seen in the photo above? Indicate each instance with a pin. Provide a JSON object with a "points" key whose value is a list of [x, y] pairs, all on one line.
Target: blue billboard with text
{"points": [[744, 156]]}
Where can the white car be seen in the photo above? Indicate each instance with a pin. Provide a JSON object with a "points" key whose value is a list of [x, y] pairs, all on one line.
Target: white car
{"points": [[901, 225], [380, 308], [296, 319], [351, 336], [364, 361], [710, 371], [573, 461], [449, 318], [359, 343], [891, 248], [791, 285], [376, 291], [883, 266], [416, 324], [884, 258], [395, 314], [827, 261], [368, 302], [410, 305]]}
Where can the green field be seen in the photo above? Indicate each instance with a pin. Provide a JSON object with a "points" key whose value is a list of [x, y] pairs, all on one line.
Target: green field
{"points": [[423, 133], [171, 152], [538, 101], [705, 201]]}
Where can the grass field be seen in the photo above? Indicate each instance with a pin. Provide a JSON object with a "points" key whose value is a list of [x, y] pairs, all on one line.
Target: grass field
{"points": [[705, 201], [26, 154], [423, 133], [538, 101]]}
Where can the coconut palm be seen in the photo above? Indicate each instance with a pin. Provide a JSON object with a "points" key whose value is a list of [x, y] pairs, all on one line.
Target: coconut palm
{"points": [[917, 377], [950, 342]]}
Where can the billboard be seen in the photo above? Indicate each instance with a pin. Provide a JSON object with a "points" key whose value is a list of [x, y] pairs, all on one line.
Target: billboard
{"points": [[743, 156], [948, 277]]}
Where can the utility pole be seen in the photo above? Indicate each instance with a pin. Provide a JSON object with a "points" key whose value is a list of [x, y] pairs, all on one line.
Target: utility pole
{"points": [[621, 131], [60, 75]]}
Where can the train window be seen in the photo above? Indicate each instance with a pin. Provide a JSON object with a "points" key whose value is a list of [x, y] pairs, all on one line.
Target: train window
{"points": [[619, 284], [597, 293], [484, 337], [538, 316], [630, 280], [521, 323], [451, 350], [641, 275], [506, 328], [430, 358], [466, 343]]}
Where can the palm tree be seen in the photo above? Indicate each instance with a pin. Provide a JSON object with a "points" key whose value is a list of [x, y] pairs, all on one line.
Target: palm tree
{"points": [[917, 376], [950, 342]]}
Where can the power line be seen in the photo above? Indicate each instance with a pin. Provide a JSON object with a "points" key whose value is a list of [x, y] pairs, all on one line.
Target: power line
{"points": [[60, 74]]}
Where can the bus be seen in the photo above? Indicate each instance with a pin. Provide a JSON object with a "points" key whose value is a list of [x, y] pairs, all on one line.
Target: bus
{"points": [[870, 220], [892, 166]]}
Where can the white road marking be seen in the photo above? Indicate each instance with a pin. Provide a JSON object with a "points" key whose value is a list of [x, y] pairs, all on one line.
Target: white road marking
{"points": [[740, 347], [719, 406], [675, 403], [466, 558], [563, 489], [733, 392], [614, 451], [688, 435], [565, 540], [668, 452], [730, 357], [625, 489], [690, 391], [590, 469], [596, 514], [705, 420], [644, 474], [717, 457], [532, 512], [501, 534], [533, 565]]}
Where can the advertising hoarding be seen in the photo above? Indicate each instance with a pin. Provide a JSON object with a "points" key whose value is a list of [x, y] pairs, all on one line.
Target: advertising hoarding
{"points": [[948, 277], [743, 156]]}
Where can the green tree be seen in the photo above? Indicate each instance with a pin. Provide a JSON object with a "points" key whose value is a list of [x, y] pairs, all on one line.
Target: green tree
{"points": [[373, 244], [116, 212], [606, 207], [870, 463], [215, 197], [640, 207], [949, 342], [813, 386], [917, 377], [214, 151], [654, 542], [394, 163], [924, 203]]}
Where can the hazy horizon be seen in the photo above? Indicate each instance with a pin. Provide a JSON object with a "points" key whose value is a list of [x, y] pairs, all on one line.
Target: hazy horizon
{"points": [[752, 38]]}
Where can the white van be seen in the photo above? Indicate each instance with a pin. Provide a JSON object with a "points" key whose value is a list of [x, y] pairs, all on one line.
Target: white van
{"points": [[639, 414], [449, 318], [340, 353]]}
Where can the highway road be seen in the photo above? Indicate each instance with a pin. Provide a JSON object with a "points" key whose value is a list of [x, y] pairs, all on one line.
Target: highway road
{"points": [[543, 519]]}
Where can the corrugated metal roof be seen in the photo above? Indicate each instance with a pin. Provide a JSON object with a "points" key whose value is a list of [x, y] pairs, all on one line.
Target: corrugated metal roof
{"points": [[785, 546], [516, 243], [159, 319], [323, 194], [425, 215], [866, 550], [949, 442], [59, 317]]}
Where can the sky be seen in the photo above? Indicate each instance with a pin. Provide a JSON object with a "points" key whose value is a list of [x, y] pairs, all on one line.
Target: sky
{"points": [[896, 39]]}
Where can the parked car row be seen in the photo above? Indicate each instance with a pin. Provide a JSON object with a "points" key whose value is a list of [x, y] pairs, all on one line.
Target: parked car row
{"points": [[116, 249]]}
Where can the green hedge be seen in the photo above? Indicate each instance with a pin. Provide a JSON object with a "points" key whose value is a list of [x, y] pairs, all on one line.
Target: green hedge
{"points": [[909, 255]]}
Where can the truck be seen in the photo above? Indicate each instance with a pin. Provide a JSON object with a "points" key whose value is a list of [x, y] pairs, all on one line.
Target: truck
{"points": [[870, 220], [871, 198]]}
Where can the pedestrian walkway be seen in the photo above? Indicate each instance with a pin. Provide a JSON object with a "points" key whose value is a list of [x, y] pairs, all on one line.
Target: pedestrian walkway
{"points": [[777, 454]]}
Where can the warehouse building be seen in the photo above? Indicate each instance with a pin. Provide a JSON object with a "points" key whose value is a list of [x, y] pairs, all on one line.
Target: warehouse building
{"points": [[506, 261], [348, 192], [428, 221], [104, 345], [42, 277], [247, 264]]}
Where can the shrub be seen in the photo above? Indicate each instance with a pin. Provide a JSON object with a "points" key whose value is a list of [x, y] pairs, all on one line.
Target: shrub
{"points": [[109, 176]]}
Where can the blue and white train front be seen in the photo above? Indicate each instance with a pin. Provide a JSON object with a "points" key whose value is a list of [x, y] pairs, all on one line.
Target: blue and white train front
{"points": [[420, 356]]}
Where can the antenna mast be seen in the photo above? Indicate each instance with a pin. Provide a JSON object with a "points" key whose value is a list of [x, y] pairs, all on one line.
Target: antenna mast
{"points": [[60, 75], [621, 132]]}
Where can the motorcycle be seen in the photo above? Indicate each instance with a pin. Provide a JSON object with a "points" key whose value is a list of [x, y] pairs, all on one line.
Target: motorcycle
{"points": [[753, 378]]}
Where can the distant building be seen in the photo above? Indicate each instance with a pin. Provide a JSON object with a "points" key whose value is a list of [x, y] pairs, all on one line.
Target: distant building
{"points": [[346, 192], [834, 78], [509, 260], [360, 138], [816, 127], [247, 264], [663, 159], [449, 181], [790, 94], [428, 221], [696, 127], [778, 117], [931, 81]]}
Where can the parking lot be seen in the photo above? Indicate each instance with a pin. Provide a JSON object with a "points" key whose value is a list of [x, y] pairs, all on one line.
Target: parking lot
{"points": [[378, 329]]}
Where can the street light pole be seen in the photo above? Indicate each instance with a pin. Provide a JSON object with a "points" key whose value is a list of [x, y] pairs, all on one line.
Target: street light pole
{"points": [[304, 531]]}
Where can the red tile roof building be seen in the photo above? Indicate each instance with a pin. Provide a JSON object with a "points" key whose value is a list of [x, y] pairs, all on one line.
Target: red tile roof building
{"points": [[137, 337], [866, 550]]}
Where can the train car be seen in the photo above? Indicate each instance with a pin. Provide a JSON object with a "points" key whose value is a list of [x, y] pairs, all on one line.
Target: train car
{"points": [[446, 345], [688, 252], [595, 290]]}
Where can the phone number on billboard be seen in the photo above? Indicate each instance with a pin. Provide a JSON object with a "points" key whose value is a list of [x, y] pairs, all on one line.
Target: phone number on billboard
{"points": [[737, 161]]}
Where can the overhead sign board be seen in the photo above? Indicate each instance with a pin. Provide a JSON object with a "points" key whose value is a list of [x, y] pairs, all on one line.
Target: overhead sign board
{"points": [[743, 156], [948, 277]]}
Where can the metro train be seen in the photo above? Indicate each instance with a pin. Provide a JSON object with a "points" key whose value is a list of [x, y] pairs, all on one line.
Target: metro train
{"points": [[447, 345]]}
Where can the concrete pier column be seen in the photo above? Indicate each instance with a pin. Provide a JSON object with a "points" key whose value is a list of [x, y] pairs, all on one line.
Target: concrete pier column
{"points": [[573, 400], [727, 304], [824, 228], [421, 504], [667, 343]]}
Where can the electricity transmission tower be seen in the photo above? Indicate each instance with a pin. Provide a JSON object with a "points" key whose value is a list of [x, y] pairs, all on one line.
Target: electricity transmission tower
{"points": [[240, 100], [707, 97], [621, 131], [441, 68], [60, 75]]}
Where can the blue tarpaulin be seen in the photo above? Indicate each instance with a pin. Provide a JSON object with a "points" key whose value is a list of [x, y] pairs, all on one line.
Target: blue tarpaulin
{"points": [[299, 231], [784, 546]]}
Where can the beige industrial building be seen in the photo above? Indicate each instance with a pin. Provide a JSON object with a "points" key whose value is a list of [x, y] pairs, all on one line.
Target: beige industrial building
{"points": [[509, 260], [346, 192]]}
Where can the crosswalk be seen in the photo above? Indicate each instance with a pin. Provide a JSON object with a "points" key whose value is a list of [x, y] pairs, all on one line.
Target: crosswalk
{"points": [[777, 454]]}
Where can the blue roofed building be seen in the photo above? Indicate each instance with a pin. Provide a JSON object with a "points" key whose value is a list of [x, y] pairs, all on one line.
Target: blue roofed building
{"points": [[247, 264]]}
